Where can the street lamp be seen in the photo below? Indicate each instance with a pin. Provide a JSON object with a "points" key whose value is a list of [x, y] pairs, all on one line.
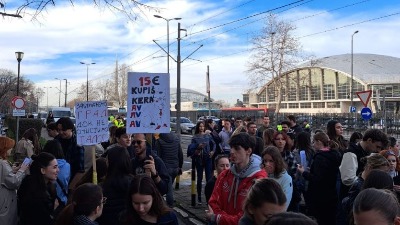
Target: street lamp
{"points": [[65, 104], [19, 56], [59, 93], [87, 78], [47, 91], [352, 82], [157, 16]]}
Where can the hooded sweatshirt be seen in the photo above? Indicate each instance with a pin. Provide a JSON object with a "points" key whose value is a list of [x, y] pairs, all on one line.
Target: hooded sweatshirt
{"points": [[63, 176], [231, 189], [168, 147]]}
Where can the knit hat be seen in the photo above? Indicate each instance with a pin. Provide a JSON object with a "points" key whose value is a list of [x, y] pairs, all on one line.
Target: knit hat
{"points": [[6, 144]]}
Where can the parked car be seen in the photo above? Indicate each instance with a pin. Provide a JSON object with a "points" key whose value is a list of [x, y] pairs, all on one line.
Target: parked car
{"points": [[186, 125], [202, 118]]}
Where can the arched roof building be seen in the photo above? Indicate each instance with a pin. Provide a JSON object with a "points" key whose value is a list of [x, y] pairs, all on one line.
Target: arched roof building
{"points": [[324, 85]]}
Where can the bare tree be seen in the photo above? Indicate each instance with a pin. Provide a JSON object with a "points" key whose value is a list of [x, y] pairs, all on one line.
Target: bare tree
{"points": [[132, 9], [275, 50], [8, 87]]}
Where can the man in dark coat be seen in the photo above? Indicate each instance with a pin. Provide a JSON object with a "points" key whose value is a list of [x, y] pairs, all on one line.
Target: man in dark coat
{"points": [[168, 146]]}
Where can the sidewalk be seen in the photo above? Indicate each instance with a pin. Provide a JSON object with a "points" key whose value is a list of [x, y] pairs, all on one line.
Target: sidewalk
{"points": [[195, 214]]}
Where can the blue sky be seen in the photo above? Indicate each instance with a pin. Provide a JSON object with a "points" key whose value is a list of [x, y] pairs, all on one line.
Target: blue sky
{"points": [[66, 35]]}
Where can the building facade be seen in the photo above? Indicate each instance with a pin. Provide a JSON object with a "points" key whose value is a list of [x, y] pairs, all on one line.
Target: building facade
{"points": [[324, 85]]}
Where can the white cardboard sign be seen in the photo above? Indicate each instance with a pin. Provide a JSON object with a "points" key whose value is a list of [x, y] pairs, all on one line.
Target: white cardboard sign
{"points": [[148, 103], [91, 122]]}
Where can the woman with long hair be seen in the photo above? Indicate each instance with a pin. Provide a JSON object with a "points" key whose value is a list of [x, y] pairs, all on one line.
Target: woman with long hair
{"points": [[54, 147], [282, 142], [322, 192], [211, 129], [10, 180], [27, 146], [85, 207], [334, 130], [201, 149], [37, 193], [265, 198], [275, 166], [101, 170], [116, 183], [268, 137], [146, 205], [221, 163]]}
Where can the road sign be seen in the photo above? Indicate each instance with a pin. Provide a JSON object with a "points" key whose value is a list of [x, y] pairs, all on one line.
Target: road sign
{"points": [[366, 113], [18, 112], [352, 109], [18, 102], [364, 96]]}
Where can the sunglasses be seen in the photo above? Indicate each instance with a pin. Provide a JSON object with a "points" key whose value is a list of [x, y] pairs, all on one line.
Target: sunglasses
{"points": [[138, 142]]}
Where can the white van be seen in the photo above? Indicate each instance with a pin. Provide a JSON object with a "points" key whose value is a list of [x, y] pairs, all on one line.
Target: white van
{"points": [[59, 112]]}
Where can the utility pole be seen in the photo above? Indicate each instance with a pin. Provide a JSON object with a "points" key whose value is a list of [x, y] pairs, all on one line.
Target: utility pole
{"points": [[208, 91], [65, 103], [178, 84]]}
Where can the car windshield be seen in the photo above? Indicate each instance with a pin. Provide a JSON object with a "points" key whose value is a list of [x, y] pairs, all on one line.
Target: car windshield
{"points": [[185, 120]]}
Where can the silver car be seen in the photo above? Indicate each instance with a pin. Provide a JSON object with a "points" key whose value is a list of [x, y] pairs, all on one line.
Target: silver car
{"points": [[186, 125]]}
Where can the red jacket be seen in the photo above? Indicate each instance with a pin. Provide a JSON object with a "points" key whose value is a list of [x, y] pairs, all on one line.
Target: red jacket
{"points": [[231, 190]]}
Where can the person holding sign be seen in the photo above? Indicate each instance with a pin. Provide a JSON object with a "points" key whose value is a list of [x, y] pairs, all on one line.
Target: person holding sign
{"points": [[73, 153], [146, 162]]}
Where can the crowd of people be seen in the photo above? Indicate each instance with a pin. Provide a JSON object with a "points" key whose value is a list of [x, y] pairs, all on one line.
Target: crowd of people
{"points": [[254, 175]]}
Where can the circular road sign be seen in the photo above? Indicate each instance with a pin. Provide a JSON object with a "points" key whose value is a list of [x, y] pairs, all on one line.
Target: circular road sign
{"points": [[18, 102]]}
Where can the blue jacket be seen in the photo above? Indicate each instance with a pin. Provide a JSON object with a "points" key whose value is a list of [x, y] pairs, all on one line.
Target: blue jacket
{"points": [[168, 219], [63, 176], [198, 139]]}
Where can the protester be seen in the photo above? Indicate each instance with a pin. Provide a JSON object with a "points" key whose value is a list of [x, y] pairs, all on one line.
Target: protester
{"points": [[274, 165], [10, 179], [52, 130], [147, 162], [221, 163], [168, 148], [264, 199], [201, 149], [115, 185], [322, 176], [101, 171], [145, 204], [54, 147], [290, 218], [111, 138], [74, 153], [372, 162], [37, 193], [335, 133], [268, 137], [375, 207], [225, 134], [355, 138], [232, 185], [252, 130], [86, 206], [264, 126], [27, 146]]}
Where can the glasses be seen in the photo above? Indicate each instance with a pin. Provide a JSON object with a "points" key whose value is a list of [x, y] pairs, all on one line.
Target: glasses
{"points": [[104, 200], [138, 142]]}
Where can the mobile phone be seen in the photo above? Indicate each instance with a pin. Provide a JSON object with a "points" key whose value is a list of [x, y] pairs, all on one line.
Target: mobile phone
{"points": [[27, 161], [147, 158]]}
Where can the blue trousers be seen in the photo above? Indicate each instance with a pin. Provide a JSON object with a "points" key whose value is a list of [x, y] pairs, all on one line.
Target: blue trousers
{"points": [[203, 164]]}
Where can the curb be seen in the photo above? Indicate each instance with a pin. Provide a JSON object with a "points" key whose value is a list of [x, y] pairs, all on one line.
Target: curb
{"points": [[189, 216]]}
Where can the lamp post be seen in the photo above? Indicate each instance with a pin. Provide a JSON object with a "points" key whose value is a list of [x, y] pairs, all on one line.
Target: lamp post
{"points": [[157, 16], [47, 92], [59, 93], [19, 56], [87, 78], [352, 82], [65, 104]]}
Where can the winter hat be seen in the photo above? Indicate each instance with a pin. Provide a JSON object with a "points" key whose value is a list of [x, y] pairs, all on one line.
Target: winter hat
{"points": [[6, 144]]}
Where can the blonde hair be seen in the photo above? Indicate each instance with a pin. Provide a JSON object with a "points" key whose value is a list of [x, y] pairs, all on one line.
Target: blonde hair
{"points": [[375, 161]]}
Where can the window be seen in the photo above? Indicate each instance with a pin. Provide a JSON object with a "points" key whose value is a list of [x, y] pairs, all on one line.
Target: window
{"points": [[283, 106], [245, 98], [271, 93], [333, 104], [319, 105], [304, 105], [329, 91], [263, 96], [344, 86], [293, 105]]}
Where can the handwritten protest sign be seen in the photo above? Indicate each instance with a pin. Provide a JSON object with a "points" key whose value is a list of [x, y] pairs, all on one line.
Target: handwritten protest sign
{"points": [[148, 103], [91, 122]]}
